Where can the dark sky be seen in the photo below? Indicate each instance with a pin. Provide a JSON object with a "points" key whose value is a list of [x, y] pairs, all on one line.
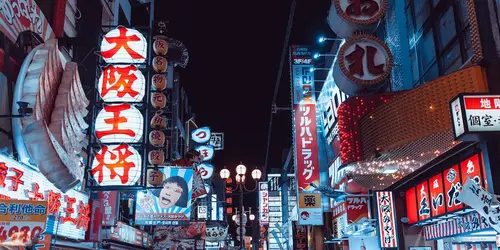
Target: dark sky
{"points": [[235, 49]]}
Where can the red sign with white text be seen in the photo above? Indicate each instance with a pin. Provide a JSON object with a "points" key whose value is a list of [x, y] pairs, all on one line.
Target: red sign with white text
{"points": [[411, 205], [470, 168], [452, 187], [436, 190], [482, 102], [125, 233], [424, 208], [357, 208], [306, 146], [17, 16], [108, 206], [387, 221]]}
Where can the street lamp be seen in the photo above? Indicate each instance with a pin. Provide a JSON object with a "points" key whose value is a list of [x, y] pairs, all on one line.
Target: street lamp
{"points": [[318, 55], [314, 69], [322, 39], [242, 189]]}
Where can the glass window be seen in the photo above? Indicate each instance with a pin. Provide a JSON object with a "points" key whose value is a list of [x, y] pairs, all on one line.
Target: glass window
{"points": [[432, 73], [447, 29], [414, 65], [464, 14], [468, 42], [426, 50], [450, 57], [421, 12]]}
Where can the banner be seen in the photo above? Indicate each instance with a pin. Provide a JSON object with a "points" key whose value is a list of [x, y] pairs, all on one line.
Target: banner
{"points": [[125, 233], [17, 16], [387, 219], [170, 202], [305, 128], [310, 210], [480, 200], [165, 236], [263, 202], [357, 208], [21, 221], [109, 203]]}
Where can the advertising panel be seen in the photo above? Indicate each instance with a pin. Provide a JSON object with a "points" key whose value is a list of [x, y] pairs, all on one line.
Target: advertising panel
{"points": [[364, 243], [21, 15], [170, 202], [387, 219], [411, 205], [68, 213], [357, 208], [125, 233], [263, 202], [452, 186], [424, 208], [108, 207], [475, 115], [470, 168], [305, 131], [310, 210], [436, 192], [21, 221]]}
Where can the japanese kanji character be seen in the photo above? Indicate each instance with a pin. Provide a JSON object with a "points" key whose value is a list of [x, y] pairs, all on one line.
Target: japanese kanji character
{"points": [[3, 208], [362, 7], [496, 103], [121, 41], [16, 179], [309, 200], [424, 209], [69, 210], [305, 110], [385, 208], [384, 199], [119, 161], [485, 103], [122, 84], [475, 120], [35, 195], [487, 120], [83, 216], [40, 209], [3, 173], [54, 202], [115, 121], [28, 209], [13, 208]]}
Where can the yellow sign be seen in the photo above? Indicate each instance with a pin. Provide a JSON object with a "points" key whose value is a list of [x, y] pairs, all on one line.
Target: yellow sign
{"points": [[309, 200], [21, 221]]}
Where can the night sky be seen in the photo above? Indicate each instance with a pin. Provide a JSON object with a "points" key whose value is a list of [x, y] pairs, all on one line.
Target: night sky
{"points": [[235, 49]]}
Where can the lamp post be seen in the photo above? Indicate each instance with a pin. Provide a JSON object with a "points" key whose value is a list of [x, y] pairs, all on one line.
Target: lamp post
{"points": [[241, 189]]}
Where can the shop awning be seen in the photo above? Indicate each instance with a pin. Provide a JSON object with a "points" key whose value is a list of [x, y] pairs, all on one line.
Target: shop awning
{"points": [[385, 137]]}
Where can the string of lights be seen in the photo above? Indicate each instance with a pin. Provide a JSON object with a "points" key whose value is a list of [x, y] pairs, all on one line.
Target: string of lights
{"points": [[278, 80]]}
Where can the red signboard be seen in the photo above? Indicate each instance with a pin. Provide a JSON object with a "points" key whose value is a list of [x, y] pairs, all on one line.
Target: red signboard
{"points": [[470, 168], [424, 208], [436, 192], [411, 205], [109, 202], [357, 208], [306, 145], [338, 210], [452, 186], [387, 220], [125, 233]]}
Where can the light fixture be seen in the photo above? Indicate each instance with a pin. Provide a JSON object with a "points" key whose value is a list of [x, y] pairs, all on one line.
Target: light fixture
{"points": [[234, 217], [241, 169], [391, 169], [224, 173], [256, 174], [317, 55], [323, 39], [252, 217], [314, 69], [239, 178]]}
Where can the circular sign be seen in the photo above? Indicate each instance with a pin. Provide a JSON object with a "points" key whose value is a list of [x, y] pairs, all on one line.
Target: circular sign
{"points": [[119, 123], [348, 17], [206, 151], [206, 170], [116, 165], [201, 135], [124, 45], [364, 63], [122, 83]]}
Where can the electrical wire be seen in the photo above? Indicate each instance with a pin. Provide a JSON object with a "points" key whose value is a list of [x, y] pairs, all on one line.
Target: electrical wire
{"points": [[278, 80]]}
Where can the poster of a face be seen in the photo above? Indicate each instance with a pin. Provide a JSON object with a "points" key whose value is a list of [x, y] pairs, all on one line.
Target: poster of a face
{"points": [[169, 202], [364, 243]]}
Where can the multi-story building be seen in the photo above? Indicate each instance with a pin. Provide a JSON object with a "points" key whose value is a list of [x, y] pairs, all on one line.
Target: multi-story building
{"points": [[390, 134]]}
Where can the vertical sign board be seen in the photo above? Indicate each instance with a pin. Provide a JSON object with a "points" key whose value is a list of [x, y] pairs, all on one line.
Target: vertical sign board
{"points": [[263, 203], [386, 220], [305, 133]]}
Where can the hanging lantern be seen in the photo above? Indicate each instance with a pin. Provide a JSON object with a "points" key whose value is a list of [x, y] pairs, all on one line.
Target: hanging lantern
{"points": [[160, 64], [119, 123], [155, 177], [206, 170], [116, 165], [124, 45], [201, 135], [158, 100], [122, 83], [158, 121], [206, 151], [156, 157], [159, 82], [157, 138], [160, 47]]}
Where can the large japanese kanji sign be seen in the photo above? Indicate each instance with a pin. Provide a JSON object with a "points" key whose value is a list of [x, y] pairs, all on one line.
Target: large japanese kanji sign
{"points": [[386, 220], [116, 165], [364, 63], [124, 45], [475, 116], [68, 213], [119, 83]]}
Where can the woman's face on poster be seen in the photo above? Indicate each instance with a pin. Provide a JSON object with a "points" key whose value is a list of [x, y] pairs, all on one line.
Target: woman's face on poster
{"points": [[169, 195]]}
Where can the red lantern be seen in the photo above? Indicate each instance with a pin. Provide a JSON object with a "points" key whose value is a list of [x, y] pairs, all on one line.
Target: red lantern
{"points": [[156, 157], [158, 100], [160, 64], [160, 47], [159, 82], [157, 138]]}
